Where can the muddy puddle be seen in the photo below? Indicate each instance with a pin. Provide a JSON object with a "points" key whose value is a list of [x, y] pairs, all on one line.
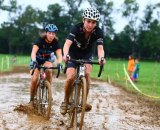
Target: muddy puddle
{"points": [[112, 108]]}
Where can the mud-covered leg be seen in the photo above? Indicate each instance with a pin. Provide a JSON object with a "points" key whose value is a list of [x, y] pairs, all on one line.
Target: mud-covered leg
{"points": [[88, 80], [68, 88], [33, 86]]}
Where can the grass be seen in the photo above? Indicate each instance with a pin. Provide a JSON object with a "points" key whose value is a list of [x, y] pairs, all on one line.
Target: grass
{"points": [[8, 61], [148, 83]]}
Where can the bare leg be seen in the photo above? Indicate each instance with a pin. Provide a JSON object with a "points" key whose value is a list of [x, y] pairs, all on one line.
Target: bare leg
{"points": [[87, 75], [33, 83], [68, 86], [48, 71]]}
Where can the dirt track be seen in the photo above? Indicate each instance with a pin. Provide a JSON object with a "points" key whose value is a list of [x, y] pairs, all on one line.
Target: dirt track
{"points": [[113, 108]]}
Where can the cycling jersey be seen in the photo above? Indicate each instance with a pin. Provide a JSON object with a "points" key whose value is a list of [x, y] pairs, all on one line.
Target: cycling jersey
{"points": [[45, 49], [82, 48]]}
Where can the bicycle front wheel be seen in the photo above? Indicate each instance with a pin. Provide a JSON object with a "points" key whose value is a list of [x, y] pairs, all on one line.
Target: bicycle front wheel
{"points": [[77, 117], [44, 96]]}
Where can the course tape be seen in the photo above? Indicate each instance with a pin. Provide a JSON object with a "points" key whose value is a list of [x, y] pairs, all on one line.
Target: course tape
{"points": [[135, 87]]}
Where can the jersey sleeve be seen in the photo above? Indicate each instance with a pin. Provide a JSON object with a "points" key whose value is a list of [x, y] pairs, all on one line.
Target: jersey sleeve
{"points": [[58, 46], [72, 33], [37, 42], [99, 37]]}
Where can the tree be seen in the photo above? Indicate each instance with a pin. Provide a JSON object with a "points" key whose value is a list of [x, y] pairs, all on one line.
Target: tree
{"points": [[119, 47], [106, 21], [129, 11], [4, 40], [73, 12], [11, 8], [57, 15], [21, 31], [149, 33]]}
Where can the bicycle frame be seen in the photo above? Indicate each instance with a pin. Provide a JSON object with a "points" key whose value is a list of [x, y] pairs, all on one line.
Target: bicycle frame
{"points": [[77, 97], [41, 87], [80, 73], [43, 92]]}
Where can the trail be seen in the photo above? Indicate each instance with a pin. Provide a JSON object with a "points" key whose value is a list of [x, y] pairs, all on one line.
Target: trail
{"points": [[112, 107]]}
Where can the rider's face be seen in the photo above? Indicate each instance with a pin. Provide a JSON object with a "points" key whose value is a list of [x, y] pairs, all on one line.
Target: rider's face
{"points": [[89, 24], [50, 36]]}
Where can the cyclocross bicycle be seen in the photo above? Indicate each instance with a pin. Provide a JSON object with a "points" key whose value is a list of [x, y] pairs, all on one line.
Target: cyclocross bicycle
{"points": [[43, 94], [77, 101]]}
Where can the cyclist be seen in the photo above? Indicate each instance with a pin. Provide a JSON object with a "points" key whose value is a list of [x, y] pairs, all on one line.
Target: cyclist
{"points": [[78, 45], [43, 54]]}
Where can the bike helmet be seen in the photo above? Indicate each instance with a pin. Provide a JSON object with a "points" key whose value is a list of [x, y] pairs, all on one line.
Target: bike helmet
{"points": [[51, 28], [91, 13]]}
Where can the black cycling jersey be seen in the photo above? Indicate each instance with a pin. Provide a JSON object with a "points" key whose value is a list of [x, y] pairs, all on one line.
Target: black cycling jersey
{"points": [[45, 49], [81, 47]]}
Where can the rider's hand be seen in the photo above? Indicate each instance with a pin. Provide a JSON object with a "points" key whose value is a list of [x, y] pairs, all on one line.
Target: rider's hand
{"points": [[60, 66], [52, 57], [102, 61], [66, 58], [34, 63]]}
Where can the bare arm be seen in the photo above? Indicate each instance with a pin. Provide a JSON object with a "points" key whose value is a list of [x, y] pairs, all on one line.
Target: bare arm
{"points": [[66, 48], [34, 51], [59, 55], [100, 53]]}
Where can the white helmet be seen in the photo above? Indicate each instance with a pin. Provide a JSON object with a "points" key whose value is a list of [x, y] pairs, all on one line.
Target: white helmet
{"points": [[91, 13]]}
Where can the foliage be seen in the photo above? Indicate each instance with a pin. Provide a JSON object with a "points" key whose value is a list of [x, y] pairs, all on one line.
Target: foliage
{"points": [[140, 36], [12, 7]]}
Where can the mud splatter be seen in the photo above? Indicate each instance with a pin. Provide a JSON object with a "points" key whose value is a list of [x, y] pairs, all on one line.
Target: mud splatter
{"points": [[112, 107]]}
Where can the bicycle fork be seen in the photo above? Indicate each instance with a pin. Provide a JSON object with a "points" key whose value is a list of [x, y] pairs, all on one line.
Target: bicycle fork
{"points": [[77, 87]]}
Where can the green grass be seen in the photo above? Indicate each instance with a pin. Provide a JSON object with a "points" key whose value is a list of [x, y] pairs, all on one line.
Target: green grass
{"points": [[148, 82], [8, 61]]}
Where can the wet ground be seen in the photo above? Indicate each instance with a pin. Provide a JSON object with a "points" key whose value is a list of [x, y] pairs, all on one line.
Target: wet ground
{"points": [[112, 108]]}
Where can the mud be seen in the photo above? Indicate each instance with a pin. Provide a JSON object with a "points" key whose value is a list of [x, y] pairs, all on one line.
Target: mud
{"points": [[112, 107]]}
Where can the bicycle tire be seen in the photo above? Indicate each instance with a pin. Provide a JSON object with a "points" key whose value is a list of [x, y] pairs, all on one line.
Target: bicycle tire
{"points": [[45, 100], [77, 117], [38, 99]]}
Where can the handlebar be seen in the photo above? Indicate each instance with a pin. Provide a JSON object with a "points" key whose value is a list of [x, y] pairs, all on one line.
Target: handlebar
{"points": [[101, 67], [82, 61], [45, 67]]}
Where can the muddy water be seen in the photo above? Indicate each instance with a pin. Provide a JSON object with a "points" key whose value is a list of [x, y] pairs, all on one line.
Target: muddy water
{"points": [[112, 108]]}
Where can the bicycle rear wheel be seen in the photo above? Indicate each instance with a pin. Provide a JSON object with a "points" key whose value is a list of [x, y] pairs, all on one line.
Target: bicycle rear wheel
{"points": [[44, 97], [77, 115]]}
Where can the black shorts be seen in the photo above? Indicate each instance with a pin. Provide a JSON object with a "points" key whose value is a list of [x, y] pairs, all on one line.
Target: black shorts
{"points": [[40, 62], [73, 64]]}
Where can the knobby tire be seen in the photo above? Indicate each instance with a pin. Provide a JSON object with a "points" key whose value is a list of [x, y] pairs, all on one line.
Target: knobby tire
{"points": [[77, 117], [44, 96]]}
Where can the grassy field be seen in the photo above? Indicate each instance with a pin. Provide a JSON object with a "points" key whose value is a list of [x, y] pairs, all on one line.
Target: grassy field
{"points": [[148, 83], [8, 61]]}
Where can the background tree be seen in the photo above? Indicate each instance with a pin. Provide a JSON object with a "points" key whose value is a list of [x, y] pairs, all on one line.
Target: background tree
{"points": [[56, 14], [119, 47], [21, 31], [11, 7], [5, 31], [129, 11], [139, 36], [106, 21], [149, 39]]}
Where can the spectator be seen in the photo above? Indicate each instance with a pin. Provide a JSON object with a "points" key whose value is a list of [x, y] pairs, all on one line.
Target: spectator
{"points": [[136, 70], [130, 66]]}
